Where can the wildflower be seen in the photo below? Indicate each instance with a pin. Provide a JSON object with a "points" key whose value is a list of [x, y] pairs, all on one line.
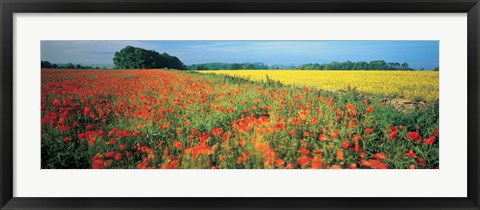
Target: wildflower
{"points": [[368, 130], [56, 102], [177, 144], [340, 155], [380, 156], [217, 131], [414, 136], [430, 140], [317, 163], [370, 109], [304, 160], [304, 151], [411, 154], [279, 163], [136, 133], [117, 156], [67, 139], [392, 135], [346, 144], [377, 164]]}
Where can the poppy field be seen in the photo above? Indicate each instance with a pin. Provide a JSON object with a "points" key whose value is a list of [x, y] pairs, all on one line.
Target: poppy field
{"points": [[166, 119]]}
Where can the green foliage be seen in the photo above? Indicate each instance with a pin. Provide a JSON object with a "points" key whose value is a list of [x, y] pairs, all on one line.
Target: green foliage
{"points": [[69, 66], [230, 66], [46, 64], [138, 58], [361, 65]]}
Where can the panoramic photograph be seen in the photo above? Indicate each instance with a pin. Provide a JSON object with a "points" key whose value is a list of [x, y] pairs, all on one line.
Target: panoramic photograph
{"points": [[239, 104]]}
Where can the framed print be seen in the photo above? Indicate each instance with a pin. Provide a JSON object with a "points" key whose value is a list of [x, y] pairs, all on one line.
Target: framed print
{"points": [[239, 105]]}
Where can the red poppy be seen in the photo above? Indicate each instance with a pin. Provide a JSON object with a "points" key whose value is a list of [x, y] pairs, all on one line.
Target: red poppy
{"points": [[117, 156], [352, 124], [370, 109], [393, 129], [430, 140], [304, 151], [110, 154], [317, 163], [411, 154], [368, 130], [377, 164], [67, 139], [352, 166], [56, 102], [414, 136], [302, 161], [280, 126], [136, 133], [340, 155], [322, 137], [346, 145], [177, 144], [392, 135], [380, 156], [239, 160], [279, 163], [217, 131]]}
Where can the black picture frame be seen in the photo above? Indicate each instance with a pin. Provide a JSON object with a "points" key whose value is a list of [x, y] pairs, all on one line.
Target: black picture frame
{"points": [[9, 7]]}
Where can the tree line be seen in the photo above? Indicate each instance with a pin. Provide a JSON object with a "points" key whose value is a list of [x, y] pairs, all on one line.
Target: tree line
{"points": [[47, 64], [228, 66], [361, 65], [347, 65]]}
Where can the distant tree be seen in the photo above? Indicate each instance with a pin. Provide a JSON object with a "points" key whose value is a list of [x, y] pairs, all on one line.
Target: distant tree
{"points": [[333, 66], [377, 65], [201, 67], [249, 66], [138, 58], [436, 69], [78, 66], [54, 66], [235, 66], [69, 66], [46, 64], [348, 65], [360, 65], [405, 66]]}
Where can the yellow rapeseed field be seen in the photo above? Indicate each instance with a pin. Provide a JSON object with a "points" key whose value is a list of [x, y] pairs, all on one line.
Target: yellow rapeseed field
{"points": [[422, 85]]}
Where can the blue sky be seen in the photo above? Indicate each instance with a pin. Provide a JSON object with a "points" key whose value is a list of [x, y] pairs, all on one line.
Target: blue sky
{"points": [[416, 53]]}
